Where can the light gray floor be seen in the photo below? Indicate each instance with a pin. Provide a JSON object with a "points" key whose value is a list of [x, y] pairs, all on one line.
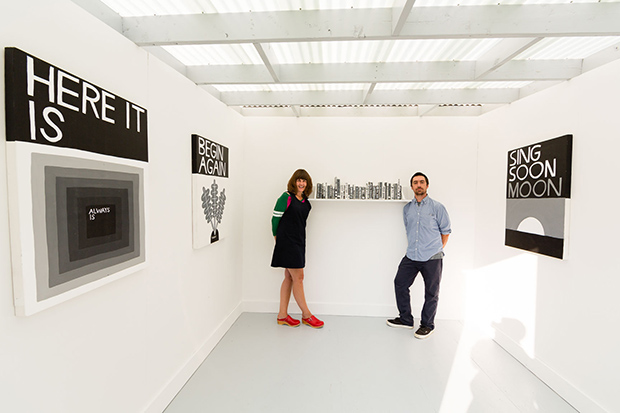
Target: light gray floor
{"points": [[359, 364]]}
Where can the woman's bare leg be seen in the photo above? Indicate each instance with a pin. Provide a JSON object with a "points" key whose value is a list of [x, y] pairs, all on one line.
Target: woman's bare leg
{"points": [[285, 294], [297, 275]]}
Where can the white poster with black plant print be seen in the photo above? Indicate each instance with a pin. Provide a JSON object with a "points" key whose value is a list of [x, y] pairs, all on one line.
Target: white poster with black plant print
{"points": [[209, 178]]}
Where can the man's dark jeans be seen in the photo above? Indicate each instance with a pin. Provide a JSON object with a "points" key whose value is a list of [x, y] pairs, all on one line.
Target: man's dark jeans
{"points": [[407, 272]]}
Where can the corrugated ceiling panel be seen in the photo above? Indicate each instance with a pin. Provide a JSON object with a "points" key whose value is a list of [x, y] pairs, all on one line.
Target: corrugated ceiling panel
{"points": [[291, 87], [450, 85], [329, 52], [337, 52], [439, 50], [161, 7], [215, 54], [382, 51], [568, 47], [431, 3]]}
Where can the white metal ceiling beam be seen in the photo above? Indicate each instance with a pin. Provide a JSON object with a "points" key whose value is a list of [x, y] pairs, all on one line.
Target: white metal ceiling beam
{"points": [[259, 27], [515, 70], [268, 58], [101, 11], [378, 97], [400, 14], [501, 53], [536, 87], [368, 91], [229, 74], [532, 20], [605, 56], [536, 20], [296, 110]]}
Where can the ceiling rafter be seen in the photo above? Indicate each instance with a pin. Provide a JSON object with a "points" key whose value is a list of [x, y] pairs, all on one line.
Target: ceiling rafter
{"points": [[268, 59], [455, 96], [400, 14], [502, 53], [538, 20], [515, 70]]}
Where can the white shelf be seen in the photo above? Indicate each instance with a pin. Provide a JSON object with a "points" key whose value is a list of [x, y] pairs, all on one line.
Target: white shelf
{"points": [[361, 200]]}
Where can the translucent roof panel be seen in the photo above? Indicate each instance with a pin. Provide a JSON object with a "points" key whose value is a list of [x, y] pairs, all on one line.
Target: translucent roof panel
{"points": [[382, 51], [215, 54], [310, 87], [330, 52], [128, 8], [450, 85], [567, 47], [439, 50], [435, 3]]}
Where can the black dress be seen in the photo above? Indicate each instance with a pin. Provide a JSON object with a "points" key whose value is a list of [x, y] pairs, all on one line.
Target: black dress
{"points": [[290, 249]]}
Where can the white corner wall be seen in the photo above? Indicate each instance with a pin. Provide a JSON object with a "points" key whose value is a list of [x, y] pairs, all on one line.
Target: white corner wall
{"points": [[354, 248], [129, 345], [558, 317]]}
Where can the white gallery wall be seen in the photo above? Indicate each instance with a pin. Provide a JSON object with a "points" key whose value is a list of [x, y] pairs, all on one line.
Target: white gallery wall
{"points": [[557, 316], [354, 247], [131, 344]]}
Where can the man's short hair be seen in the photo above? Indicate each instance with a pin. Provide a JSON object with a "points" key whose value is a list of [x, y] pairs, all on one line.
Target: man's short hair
{"points": [[418, 174]]}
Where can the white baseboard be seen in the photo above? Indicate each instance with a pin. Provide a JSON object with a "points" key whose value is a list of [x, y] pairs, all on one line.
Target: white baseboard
{"points": [[563, 388], [361, 310], [169, 391]]}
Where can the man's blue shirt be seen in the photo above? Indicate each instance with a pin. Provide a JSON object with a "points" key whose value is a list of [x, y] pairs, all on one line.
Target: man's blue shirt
{"points": [[425, 222]]}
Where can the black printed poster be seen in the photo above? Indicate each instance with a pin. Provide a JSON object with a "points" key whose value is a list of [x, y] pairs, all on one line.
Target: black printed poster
{"points": [[49, 106], [538, 188], [209, 166], [76, 162]]}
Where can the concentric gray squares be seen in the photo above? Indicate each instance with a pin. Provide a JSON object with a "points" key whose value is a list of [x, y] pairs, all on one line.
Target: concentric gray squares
{"points": [[74, 248]]}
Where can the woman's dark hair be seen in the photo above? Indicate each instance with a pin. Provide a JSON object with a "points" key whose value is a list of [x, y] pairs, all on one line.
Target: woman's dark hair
{"points": [[418, 174], [300, 174]]}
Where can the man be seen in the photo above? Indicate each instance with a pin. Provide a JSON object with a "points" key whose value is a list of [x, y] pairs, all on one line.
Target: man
{"points": [[428, 226]]}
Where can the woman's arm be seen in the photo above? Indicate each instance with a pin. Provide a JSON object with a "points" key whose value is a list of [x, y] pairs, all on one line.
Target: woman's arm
{"points": [[281, 204]]}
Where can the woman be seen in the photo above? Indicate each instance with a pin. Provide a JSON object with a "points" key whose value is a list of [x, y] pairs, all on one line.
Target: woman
{"points": [[289, 230]]}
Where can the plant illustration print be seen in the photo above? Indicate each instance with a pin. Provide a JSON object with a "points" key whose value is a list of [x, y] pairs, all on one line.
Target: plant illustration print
{"points": [[213, 206]]}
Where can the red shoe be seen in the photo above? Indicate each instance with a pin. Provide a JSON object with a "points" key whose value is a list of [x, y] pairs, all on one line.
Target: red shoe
{"points": [[313, 322], [288, 321]]}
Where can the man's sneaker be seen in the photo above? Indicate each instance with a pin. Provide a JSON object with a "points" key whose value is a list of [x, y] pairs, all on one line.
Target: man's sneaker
{"points": [[397, 322], [423, 332]]}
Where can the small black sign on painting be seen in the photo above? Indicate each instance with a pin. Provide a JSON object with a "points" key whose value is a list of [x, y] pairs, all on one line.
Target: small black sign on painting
{"points": [[538, 190]]}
